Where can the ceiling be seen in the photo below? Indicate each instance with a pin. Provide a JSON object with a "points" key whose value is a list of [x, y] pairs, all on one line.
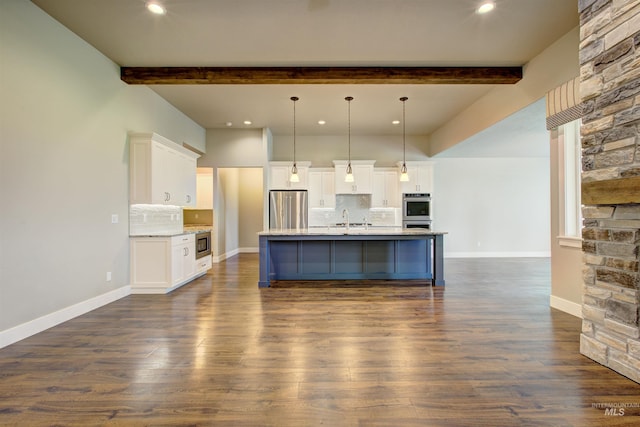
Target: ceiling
{"points": [[318, 33]]}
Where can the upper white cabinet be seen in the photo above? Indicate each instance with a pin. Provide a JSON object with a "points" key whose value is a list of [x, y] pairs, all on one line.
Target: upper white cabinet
{"points": [[280, 174], [420, 177], [385, 189], [161, 171], [322, 192], [362, 177]]}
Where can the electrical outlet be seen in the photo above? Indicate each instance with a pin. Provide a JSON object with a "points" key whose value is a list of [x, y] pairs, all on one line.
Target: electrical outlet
{"points": [[114, 219], [108, 276]]}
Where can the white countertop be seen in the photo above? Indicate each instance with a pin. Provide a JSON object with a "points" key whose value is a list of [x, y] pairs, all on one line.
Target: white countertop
{"points": [[353, 231]]}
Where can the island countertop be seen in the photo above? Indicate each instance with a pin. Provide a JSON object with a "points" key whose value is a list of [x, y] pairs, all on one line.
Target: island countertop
{"points": [[353, 231]]}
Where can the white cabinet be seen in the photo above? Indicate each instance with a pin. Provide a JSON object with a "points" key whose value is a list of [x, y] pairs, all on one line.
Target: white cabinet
{"points": [[322, 192], [362, 177], [385, 189], [183, 258], [161, 172], [203, 264], [280, 172], [161, 264], [420, 177]]}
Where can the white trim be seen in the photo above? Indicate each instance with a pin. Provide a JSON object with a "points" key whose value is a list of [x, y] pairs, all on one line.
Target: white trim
{"points": [[570, 241], [220, 258], [567, 306], [32, 327], [543, 254]]}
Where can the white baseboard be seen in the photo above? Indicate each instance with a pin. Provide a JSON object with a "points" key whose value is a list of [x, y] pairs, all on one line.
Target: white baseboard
{"points": [[32, 327], [220, 258], [497, 254], [567, 306]]}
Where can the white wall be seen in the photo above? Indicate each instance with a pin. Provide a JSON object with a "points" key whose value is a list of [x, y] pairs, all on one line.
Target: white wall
{"points": [[64, 118], [492, 207], [251, 206]]}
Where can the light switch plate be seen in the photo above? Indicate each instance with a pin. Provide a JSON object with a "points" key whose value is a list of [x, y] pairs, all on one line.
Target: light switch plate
{"points": [[114, 219]]}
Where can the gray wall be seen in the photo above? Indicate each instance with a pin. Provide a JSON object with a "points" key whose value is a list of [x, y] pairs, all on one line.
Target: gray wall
{"points": [[64, 118]]}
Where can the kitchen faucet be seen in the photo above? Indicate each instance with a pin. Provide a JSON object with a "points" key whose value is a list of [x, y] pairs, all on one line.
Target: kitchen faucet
{"points": [[345, 216]]}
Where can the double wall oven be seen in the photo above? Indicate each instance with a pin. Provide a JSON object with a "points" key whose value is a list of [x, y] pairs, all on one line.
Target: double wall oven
{"points": [[416, 210]]}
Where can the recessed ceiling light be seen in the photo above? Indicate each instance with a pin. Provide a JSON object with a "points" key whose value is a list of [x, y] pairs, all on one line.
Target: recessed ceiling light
{"points": [[322, 122], [156, 8], [247, 122], [229, 124], [395, 122], [486, 7]]}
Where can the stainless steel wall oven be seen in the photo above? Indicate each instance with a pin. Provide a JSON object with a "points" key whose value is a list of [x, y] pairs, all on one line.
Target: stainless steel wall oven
{"points": [[416, 210]]}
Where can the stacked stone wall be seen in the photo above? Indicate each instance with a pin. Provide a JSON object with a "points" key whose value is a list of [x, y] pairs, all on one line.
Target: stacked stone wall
{"points": [[610, 91]]}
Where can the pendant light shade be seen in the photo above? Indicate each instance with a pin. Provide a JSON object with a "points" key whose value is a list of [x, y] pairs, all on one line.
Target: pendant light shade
{"points": [[349, 176], [294, 169], [404, 176]]}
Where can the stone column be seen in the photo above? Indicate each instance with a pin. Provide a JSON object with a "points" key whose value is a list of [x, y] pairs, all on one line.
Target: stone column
{"points": [[610, 91]]}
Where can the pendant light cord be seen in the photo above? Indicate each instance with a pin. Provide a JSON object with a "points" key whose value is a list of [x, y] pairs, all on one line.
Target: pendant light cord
{"points": [[404, 138], [294, 99], [349, 99]]}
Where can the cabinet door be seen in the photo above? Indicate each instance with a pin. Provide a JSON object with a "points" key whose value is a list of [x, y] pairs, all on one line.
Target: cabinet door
{"points": [[315, 189], [328, 190], [279, 178], [378, 197], [385, 190], [189, 260], [420, 180], [186, 193], [391, 186], [362, 179], [342, 187], [321, 189], [183, 259], [162, 182]]}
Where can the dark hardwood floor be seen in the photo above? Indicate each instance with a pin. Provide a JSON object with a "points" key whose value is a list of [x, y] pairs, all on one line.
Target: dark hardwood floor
{"points": [[485, 351]]}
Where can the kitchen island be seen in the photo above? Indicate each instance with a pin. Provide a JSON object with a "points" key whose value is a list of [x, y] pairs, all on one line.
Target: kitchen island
{"points": [[375, 253]]}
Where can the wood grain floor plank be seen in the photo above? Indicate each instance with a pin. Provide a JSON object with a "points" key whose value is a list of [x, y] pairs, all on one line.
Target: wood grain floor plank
{"points": [[484, 350]]}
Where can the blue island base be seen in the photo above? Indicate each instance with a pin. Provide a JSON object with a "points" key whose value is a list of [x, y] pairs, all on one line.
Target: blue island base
{"points": [[350, 258]]}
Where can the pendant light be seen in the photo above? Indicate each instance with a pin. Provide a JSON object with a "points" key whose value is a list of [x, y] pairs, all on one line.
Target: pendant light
{"points": [[349, 176], [404, 176], [294, 170]]}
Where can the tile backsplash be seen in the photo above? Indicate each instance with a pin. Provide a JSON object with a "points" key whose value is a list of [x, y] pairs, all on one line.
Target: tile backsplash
{"points": [[155, 220], [359, 207]]}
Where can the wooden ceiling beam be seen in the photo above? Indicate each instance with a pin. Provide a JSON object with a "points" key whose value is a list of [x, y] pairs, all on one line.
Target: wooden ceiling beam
{"points": [[320, 75]]}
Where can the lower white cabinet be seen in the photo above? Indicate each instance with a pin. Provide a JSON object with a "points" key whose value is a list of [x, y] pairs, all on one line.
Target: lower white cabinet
{"points": [[162, 264]]}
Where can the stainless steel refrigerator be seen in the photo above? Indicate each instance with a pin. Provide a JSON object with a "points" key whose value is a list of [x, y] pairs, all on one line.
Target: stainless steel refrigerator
{"points": [[288, 209]]}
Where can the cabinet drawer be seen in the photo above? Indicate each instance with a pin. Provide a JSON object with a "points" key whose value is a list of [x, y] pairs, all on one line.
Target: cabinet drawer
{"points": [[183, 239], [203, 264]]}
